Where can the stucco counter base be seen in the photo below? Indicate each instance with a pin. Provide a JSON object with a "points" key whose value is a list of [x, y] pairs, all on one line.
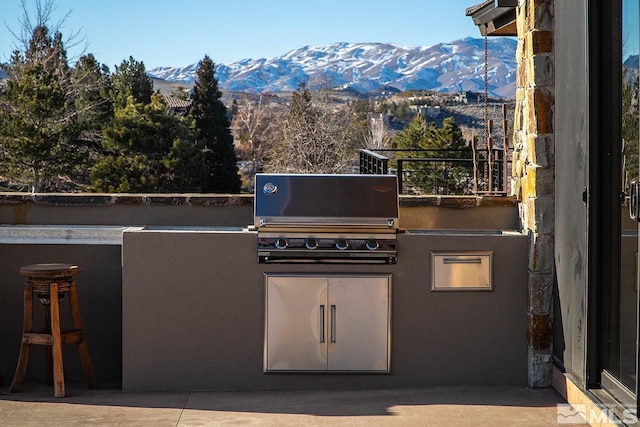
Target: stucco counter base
{"points": [[193, 314]]}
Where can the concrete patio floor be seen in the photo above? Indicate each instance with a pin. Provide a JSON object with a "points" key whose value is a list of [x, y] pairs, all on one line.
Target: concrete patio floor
{"points": [[431, 406]]}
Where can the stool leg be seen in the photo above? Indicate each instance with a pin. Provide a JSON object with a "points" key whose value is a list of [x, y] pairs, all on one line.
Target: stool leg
{"points": [[83, 349], [25, 348], [58, 366], [48, 350]]}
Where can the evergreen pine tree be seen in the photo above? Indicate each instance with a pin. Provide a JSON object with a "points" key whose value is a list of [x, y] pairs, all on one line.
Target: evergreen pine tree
{"points": [[92, 98], [38, 121], [131, 79], [301, 106], [454, 177], [435, 177], [412, 135], [148, 151], [210, 119]]}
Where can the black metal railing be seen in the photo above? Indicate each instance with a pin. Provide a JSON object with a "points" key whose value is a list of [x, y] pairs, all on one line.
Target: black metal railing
{"points": [[443, 171], [435, 176]]}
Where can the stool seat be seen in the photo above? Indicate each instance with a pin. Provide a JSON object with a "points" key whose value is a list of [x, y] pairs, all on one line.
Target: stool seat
{"points": [[41, 275], [50, 283], [49, 272]]}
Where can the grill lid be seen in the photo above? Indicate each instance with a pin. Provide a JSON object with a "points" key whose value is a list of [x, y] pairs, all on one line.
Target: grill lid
{"points": [[321, 200]]}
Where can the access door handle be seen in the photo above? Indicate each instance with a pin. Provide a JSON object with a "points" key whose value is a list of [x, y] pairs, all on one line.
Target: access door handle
{"points": [[333, 323], [322, 323]]}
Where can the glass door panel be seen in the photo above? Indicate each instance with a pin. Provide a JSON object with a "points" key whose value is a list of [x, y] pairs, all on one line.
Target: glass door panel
{"points": [[619, 375]]}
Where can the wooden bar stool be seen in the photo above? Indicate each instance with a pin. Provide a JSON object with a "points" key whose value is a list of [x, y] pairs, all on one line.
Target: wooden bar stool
{"points": [[50, 283]]}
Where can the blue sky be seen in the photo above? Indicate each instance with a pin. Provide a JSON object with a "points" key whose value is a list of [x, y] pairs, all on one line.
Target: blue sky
{"points": [[630, 27], [180, 33]]}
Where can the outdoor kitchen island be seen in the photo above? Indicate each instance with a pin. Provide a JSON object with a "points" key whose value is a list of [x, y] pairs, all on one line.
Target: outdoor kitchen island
{"points": [[194, 311]]}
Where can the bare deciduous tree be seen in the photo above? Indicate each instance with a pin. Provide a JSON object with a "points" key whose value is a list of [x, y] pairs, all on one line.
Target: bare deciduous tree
{"points": [[379, 133], [42, 16], [253, 125], [315, 136]]}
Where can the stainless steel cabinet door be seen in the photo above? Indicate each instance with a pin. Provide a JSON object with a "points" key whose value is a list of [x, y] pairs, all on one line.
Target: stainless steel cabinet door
{"points": [[358, 323], [327, 323], [296, 324]]}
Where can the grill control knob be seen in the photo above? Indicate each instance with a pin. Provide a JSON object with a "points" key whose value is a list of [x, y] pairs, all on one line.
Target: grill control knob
{"points": [[342, 244], [311, 244], [372, 245], [281, 244]]}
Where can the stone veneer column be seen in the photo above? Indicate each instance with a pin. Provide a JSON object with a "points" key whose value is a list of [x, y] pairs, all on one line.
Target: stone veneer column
{"points": [[533, 174]]}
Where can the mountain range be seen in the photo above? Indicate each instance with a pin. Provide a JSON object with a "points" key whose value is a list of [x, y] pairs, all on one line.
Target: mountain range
{"points": [[368, 67]]}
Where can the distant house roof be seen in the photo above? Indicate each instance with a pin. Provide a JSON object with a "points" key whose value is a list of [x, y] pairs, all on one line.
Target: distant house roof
{"points": [[495, 17], [176, 102], [176, 106]]}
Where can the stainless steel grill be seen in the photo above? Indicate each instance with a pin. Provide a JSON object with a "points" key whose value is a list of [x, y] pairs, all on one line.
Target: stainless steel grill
{"points": [[314, 218]]}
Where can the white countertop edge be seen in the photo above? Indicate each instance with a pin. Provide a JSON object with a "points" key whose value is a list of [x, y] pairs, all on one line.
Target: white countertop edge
{"points": [[188, 229], [61, 235]]}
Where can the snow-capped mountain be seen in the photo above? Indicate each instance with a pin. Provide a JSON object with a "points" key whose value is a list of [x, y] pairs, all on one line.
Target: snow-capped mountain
{"points": [[364, 67]]}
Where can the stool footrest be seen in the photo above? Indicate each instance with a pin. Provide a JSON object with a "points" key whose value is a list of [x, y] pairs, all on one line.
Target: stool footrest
{"points": [[47, 339]]}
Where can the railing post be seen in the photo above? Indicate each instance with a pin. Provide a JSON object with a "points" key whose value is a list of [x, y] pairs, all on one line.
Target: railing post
{"points": [[400, 161], [371, 162]]}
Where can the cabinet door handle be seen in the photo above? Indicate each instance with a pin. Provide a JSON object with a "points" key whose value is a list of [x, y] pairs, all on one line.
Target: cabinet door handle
{"points": [[333, 323], [321, 323]]}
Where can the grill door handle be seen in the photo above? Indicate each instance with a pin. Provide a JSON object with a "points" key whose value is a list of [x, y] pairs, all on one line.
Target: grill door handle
{"points": [[321, 323], [333, 323]]}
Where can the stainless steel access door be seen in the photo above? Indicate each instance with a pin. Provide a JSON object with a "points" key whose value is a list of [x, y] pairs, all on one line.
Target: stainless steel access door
{"points": [[327, 323], [359, 324], [295, 329]]}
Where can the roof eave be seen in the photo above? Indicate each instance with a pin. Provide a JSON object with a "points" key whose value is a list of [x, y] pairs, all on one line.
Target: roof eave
{"points": [[495, 17]]}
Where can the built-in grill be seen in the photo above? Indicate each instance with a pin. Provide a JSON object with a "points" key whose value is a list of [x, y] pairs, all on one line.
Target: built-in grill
{"points": [[317, 218]]}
